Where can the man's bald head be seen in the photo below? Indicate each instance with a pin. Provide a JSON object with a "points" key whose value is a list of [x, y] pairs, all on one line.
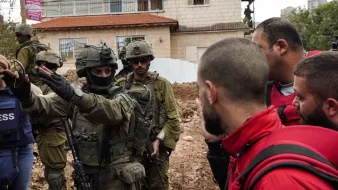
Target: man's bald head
{"points": [[238, 66]]}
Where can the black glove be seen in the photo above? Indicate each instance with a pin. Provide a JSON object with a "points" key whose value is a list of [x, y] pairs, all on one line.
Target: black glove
{"points": [[58, 84], [20, 87]]}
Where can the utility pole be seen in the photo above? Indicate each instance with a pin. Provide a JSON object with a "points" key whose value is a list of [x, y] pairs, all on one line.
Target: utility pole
{"points": [[23, 11]]}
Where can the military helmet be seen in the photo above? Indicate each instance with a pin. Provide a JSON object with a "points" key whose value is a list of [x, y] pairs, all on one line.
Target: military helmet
{"points": [[24, 29], [139, 48], [122, 53], [50, 57], [94, 56]]}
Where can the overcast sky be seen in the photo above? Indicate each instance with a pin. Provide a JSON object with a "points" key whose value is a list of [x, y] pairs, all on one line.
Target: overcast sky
{"points": [[264, 9]]}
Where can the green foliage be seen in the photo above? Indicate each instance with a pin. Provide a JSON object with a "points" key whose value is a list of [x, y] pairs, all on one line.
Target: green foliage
{"points": [[8, 43], [318, 26], [246, 20]]}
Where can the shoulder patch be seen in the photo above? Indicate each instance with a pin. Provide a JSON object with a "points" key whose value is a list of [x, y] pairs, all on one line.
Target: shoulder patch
{"points": [[120, 82], [114, 90]]}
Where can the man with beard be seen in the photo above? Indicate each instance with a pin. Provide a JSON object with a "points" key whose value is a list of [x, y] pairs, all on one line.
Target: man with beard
{"points": [[283, 49], [103, 118], [316, 81], [166, 126], [232, 86]]}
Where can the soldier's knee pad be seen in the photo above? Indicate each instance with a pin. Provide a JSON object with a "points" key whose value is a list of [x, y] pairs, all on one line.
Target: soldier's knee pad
{"points": [[55, 179]]}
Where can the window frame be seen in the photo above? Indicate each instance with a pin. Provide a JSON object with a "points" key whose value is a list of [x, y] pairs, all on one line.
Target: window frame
{"points": [[196, 3], [73, 51], [53, 8], [192, 3], [132, 36]]}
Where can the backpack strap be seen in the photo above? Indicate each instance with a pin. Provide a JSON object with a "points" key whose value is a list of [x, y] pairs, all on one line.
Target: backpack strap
{"points": [[269, 86], [28, 43], [281, 114], [129, 80], [281, 108], [332, 180], [285, 149], [227, 181]]}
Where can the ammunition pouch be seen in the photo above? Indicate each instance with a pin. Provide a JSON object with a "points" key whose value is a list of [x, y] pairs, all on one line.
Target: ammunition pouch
{"points": [[130, 173]]}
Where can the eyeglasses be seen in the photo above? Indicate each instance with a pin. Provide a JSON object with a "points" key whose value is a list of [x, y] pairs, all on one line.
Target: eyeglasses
{"points": [[139, 60]]}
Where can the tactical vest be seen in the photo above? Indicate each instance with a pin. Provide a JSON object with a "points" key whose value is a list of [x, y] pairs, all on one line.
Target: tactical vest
{"points": [[159, 116], [101, 146], [15, 128], [15, 132]]}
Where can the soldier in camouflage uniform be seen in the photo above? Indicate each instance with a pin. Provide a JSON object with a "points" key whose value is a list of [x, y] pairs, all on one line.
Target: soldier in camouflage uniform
{"points": [[27, 51], [51, 138], [35, 37], [166, 125], [103, 118], [126, 66]]}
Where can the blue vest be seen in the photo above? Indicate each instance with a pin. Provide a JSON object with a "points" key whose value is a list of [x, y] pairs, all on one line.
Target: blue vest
{"points": [[15, 127]]}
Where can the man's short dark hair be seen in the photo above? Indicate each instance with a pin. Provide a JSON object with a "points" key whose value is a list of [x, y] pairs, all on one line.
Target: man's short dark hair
{"points": [[321, 74], [237, 65], [277, 28]]}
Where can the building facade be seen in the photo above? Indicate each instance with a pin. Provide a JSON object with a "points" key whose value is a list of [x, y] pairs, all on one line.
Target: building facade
{"points": [[315, 3], [179, 29]]}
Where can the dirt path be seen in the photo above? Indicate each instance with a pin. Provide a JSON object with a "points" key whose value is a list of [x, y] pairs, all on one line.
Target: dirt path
{"points": [[189, 168]]}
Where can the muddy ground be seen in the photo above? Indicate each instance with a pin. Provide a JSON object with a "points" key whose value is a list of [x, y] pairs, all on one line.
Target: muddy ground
{"points": [[189, 168]]}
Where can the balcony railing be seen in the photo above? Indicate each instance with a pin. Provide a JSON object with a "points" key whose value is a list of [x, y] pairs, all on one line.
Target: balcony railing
{"points": [[54, 8]]}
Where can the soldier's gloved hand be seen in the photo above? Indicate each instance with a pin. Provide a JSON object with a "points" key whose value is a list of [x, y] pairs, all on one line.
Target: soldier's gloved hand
{"points": [[19, 84], [57, 83]]}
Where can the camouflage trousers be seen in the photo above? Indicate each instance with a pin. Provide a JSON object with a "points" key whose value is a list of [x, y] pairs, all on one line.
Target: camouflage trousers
{"points": [[51, 143], [153, 178]]}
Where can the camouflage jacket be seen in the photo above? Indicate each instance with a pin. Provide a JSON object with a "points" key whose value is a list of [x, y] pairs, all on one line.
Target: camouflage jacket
{"points": [[25, 54], [93, 115], [165, 98]]}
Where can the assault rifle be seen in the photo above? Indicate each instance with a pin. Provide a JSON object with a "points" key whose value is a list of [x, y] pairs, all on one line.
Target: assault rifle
{"points": [[147, 118], [80, 178], [153, 159]]}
